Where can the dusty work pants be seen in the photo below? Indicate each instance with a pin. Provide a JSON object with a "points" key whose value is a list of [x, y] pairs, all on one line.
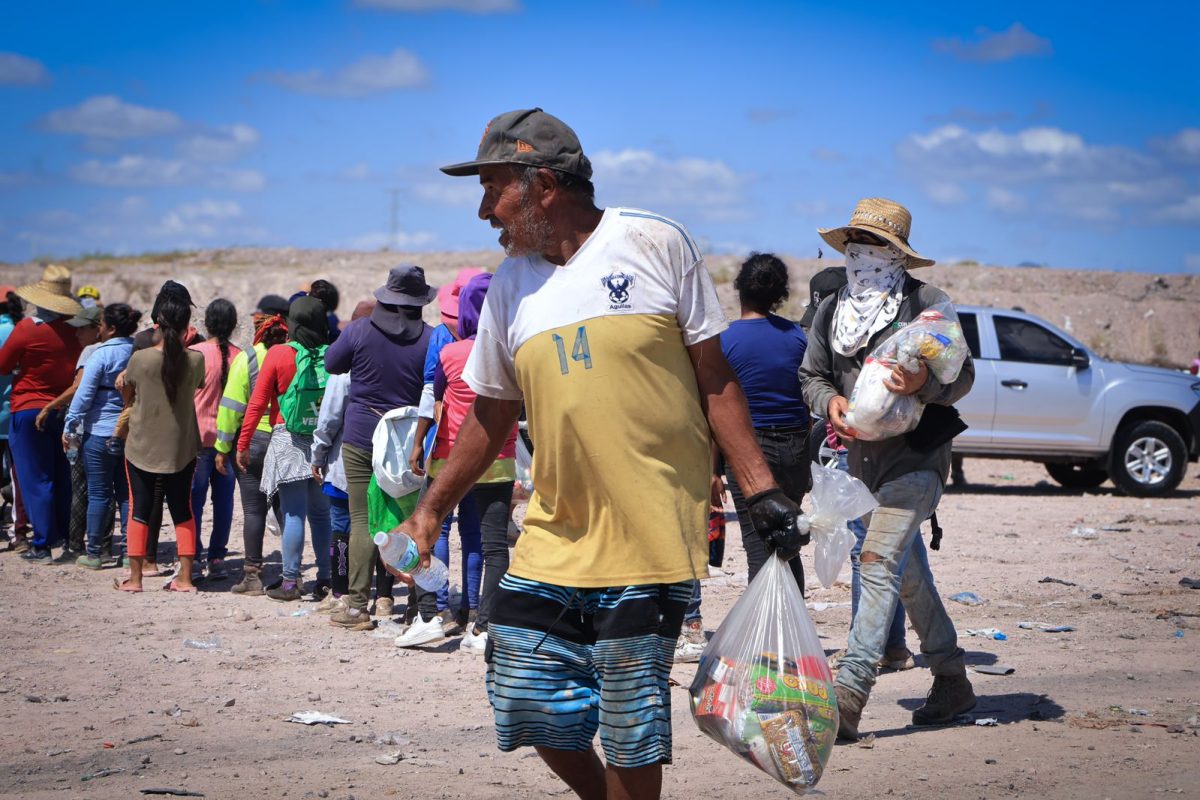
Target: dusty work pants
{"points": [[904, 503], [362, 548]]}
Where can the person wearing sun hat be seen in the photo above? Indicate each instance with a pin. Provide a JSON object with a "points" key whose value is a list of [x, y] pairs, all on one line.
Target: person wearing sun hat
{"points": [[905, 473], [42, 351]]}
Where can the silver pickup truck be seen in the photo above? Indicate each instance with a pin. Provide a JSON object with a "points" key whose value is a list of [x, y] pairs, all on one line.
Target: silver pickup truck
{"points": [[1040, 395]]}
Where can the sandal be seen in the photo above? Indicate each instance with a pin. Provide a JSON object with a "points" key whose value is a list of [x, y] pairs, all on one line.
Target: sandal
{"points": [[170, 586], [125, 586]]}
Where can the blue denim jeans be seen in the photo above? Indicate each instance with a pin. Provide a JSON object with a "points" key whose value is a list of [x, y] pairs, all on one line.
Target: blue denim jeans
{"points": [[301, 500], [904, 503], [44, 475], [895, 638], [104, 460], [222, 502]]}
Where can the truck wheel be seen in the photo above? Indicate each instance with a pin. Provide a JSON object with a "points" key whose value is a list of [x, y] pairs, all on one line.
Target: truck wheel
{"points": [[1148, 459], [1087, 475]]}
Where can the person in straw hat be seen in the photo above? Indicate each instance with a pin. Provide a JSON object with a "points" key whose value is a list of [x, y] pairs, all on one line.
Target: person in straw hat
{"points": [[905, 473], [42, 350]]}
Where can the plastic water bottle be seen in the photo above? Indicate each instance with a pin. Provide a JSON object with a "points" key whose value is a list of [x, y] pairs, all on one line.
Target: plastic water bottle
{"points": [[72, 447], [400, 552]]}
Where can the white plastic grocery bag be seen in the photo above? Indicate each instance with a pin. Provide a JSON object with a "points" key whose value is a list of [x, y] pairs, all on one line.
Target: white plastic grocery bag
{"points": [[391, 445], [763, 688], [837, 497]]}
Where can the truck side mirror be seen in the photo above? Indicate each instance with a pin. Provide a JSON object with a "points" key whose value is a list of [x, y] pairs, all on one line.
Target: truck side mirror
{"points": [[1079, 358]]}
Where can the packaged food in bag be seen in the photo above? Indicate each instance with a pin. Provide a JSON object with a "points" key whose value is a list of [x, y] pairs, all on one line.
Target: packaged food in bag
{"points": [[837, 497], [934, 338], [763, 688]]}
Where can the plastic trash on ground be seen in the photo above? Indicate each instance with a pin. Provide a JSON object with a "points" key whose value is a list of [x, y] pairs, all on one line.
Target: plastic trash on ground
{"points": [[837, 497], [763, 688], [316, 718], [933, 338]]}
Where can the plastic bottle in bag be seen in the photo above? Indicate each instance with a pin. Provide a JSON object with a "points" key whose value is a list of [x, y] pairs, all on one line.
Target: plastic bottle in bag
{"points": [[763, 688]]}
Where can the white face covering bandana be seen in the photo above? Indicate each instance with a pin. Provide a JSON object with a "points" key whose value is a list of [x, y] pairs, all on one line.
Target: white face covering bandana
{"points": [[871, 298]]}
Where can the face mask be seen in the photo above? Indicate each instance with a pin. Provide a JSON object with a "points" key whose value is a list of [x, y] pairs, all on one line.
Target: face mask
{"points": [[871, 266]]}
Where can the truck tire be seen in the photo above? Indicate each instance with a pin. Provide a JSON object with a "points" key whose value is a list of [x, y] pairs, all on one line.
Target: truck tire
{"points": [[1087, 475], [1148, 459]]}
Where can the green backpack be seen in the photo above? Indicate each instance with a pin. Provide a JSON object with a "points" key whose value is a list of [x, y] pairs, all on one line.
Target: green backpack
{"points": [[300, 405]]}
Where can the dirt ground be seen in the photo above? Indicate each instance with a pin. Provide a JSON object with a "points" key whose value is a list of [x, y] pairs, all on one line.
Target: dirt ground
{"points": [[92, 681]]}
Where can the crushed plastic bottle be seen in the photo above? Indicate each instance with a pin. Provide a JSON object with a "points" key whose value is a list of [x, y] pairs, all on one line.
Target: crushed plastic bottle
{"points": [[400, 552], [968, 599], [211, 644]]}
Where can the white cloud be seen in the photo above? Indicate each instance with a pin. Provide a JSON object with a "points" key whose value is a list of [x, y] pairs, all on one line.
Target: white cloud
{"points": [[371, 74], [452, 192], [110, 117], [227, 143], [1187, 211], [1016, 42], [468, 6], [355, 172], [150, 171], [403, 240], [945, 193], [1183, 147], [198, 220], [646, 180], [1004, 201], [19, 70]]}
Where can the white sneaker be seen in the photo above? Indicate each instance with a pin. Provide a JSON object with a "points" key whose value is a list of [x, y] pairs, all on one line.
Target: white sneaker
{"points": [[687, 652], [422, 632], [473, 643]]}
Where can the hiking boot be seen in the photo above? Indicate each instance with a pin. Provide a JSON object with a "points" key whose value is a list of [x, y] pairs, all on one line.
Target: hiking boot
{"points": [[20, 542], [900, 659], [67, 556], [251, 583], [331, 604], [691, 643], [217, 570], [353, 619], [850, 707], [385, 607], [41, 555], [950, 696], [90, 562], [286, 592]]}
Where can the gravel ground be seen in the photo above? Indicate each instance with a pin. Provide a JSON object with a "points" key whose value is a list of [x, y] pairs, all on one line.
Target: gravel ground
{"points": [[92, 681]]}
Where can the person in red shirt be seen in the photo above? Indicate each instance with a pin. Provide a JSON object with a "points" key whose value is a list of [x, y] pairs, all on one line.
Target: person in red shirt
{"points": [[42, 351], [287, 468]]}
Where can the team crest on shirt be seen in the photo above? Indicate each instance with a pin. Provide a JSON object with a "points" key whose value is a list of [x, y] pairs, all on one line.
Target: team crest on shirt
{"points": [[618, 285]]}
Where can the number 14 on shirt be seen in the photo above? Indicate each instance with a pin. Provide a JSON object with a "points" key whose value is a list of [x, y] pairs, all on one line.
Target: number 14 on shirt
{"points": [[579, 350]]}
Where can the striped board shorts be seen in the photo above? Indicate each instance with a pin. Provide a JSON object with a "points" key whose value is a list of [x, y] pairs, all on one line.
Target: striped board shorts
{"points": [[564, 663]]}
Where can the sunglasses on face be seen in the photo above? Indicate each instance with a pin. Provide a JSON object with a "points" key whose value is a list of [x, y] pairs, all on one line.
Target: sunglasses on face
{"points": [[862, 237]]}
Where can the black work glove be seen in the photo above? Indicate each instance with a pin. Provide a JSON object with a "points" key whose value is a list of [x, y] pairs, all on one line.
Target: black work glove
{"points": [[774, 517]]}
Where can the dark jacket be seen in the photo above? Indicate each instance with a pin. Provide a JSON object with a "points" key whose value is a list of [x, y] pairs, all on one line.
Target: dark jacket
{"points": [[826, 374]]}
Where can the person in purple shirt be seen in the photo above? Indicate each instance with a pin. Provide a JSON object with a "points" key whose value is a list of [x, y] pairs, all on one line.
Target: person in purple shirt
{"points": [[385, 356]]}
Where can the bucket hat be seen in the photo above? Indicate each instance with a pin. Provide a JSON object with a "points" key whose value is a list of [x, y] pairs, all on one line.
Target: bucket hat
{"points": [[884, 218], [52, 292], [406, 286]]}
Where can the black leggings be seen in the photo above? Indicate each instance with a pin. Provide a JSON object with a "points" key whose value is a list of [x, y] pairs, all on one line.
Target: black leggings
{"points": [[146, 491]]}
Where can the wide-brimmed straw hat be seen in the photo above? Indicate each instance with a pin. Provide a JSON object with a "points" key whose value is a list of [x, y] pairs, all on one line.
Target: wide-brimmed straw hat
{"points": [[52, 292], [884, 218]]}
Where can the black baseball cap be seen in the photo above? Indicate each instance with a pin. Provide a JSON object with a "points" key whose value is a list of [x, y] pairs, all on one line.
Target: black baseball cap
{"points": [[273, 304], [530, 137], [826, 282]]}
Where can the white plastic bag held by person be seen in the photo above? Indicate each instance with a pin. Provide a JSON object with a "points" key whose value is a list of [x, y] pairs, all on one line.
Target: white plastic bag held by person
{"points": [[391, 444], [837, 497]]}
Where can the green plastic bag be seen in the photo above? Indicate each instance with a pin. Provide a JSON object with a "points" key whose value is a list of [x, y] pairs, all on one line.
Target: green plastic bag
{"points": [[385, 512]]}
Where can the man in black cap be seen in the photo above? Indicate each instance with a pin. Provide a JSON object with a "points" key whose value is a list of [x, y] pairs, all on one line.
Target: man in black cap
{"points": [[599, 320]]}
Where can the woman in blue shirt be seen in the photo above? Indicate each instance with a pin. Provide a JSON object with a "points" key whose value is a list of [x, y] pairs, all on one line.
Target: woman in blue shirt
{"points": [[93, 417]]}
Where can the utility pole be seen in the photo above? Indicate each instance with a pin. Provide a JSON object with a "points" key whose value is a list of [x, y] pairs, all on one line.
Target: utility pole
{"points": [[394, 236]]}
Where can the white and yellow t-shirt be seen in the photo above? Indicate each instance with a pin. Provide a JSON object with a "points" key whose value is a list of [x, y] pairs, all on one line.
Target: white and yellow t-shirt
{"points": [[597, 347]]}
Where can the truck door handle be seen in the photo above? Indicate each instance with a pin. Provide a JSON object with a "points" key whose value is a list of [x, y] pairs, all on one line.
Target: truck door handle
{"points": [[1013, 383]]}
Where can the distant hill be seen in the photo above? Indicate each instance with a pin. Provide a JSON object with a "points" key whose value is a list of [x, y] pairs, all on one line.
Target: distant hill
{"points": [[1130, 316]]}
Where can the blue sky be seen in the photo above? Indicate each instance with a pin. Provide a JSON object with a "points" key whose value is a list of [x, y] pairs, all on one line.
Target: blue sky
{"points": [[1016, 132]]}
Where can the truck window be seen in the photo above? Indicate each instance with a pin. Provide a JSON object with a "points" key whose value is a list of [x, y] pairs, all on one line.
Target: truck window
{"points": [[1021, 340], [970, 329]]}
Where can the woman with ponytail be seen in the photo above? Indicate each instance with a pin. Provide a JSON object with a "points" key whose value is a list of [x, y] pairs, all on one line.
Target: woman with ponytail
{"points": [[220, 320], [164, 438]]}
